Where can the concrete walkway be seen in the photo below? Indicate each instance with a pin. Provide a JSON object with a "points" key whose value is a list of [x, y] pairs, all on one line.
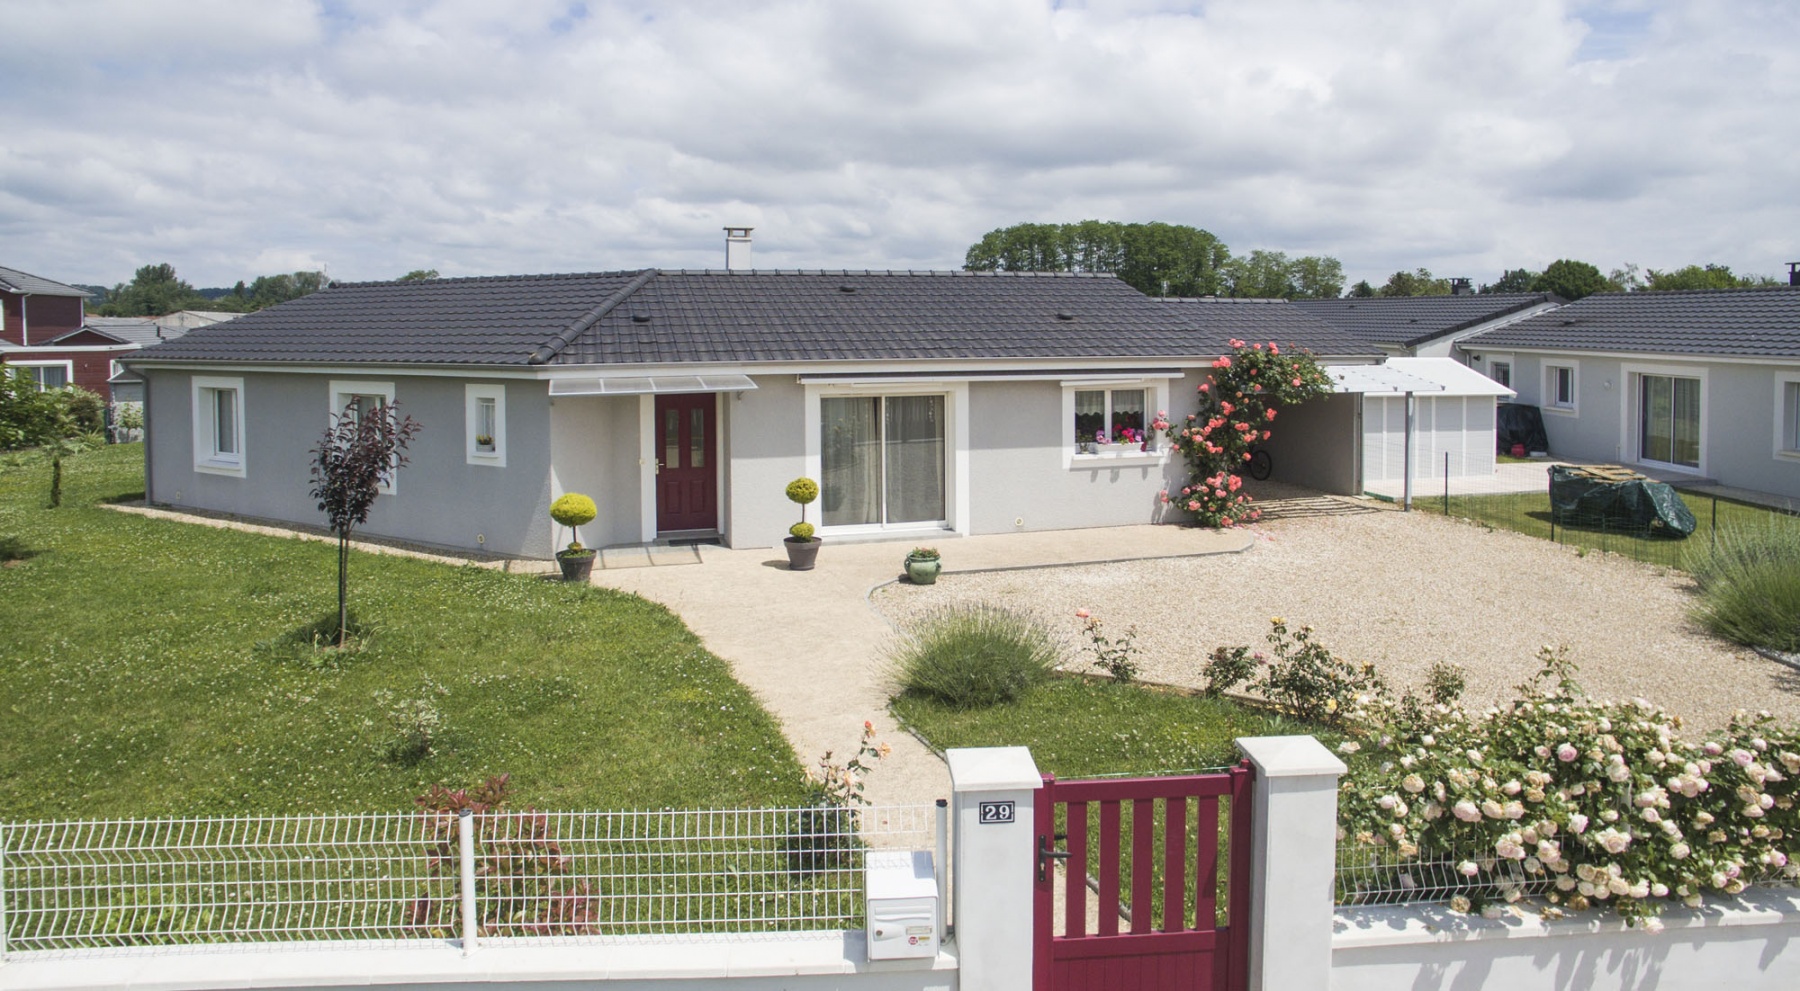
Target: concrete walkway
{"points": [[808, 643]]}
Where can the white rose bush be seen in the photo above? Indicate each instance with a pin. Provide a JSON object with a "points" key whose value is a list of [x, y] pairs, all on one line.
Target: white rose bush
{"points": [[1591, 803]]}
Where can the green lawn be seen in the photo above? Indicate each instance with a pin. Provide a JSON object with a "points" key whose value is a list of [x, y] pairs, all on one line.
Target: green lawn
{"points": [[1529, 513], [1078, 727], [160, 668]]}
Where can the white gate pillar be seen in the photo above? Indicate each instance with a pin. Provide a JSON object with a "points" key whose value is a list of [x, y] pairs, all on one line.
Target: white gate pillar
{"points": [[996, 790], [1293, 861]]}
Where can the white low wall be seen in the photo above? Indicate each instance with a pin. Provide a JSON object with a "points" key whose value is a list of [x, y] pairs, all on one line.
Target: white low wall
{"points": [[742, 963], [1750, 943]]}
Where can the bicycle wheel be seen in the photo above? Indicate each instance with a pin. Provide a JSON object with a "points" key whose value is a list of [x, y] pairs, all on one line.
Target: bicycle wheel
{"points": [[1261, 464]]}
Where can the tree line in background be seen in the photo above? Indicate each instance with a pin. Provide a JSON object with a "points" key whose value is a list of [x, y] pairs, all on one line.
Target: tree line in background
{"points": [[155, 290], [1177, 260]]}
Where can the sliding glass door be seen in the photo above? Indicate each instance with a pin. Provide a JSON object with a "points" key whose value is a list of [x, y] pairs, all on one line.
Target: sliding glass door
{"points": [[1669, 420], [882, 460]]}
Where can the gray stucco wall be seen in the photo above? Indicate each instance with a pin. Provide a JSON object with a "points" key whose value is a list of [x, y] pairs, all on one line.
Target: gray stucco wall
{"points": [[1018, 443], [1315, 444], [440, 499], [765, 431], [595, 447], [1738, 416]]}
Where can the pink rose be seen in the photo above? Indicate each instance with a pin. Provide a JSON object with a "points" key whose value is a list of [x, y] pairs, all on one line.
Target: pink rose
{"points": [[1567, 753]]}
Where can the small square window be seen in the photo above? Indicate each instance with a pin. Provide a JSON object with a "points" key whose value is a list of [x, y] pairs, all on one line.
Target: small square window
{"points": [[354, 398], [1112, 420], [1501, 372]]}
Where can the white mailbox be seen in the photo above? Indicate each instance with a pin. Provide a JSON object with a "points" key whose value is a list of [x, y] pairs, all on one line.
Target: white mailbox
{"points": [[903, 904]]}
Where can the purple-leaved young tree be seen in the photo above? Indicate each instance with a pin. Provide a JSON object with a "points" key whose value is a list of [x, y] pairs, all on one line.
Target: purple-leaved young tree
{"points": [[361, 449]]}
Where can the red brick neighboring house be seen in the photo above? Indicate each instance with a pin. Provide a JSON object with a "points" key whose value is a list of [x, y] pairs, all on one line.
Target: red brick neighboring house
{"points": [[46, 332], [42, 333]]}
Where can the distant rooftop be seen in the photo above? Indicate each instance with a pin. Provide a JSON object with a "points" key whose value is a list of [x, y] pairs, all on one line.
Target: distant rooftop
{"points": [[1763, 322], [1408, 321], [13, 280]]}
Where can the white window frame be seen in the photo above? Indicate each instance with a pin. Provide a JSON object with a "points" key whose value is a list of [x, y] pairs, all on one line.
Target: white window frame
{"points": [[1156, 398], [473, 394], [1550, 402], [207, 456], [1787, 415], [342, 390], [67, 365], [1632, 405], [956, 449], [1506, 360]]}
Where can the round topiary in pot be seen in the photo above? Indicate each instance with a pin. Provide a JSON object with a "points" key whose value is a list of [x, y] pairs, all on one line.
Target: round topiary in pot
{"points": [[572, 510], [802, 545]]}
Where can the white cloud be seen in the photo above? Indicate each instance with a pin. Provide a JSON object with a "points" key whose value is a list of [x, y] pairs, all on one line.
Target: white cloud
{"points": [[477, 138]]}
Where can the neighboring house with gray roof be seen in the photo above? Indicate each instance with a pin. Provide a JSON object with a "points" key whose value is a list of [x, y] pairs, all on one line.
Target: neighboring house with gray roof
{"points": [[1429, 326], [1697, 385], [925, 403]]}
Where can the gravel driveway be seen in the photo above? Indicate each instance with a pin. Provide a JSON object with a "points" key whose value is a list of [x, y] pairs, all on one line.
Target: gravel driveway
{"points": [[1403, 591]]}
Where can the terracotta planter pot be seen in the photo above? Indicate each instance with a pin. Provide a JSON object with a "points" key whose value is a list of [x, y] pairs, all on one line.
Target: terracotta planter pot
{"points": [[802, 553], [576, 567]]}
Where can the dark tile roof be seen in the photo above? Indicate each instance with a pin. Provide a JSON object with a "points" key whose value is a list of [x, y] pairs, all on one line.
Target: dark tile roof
{"points": [[1408, 321], [1727, 322], [24, 282], [658, 317]]}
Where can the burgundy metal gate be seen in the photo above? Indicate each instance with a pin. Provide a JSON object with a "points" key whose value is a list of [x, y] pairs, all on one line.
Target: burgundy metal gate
{"points": [[1189, 949]]}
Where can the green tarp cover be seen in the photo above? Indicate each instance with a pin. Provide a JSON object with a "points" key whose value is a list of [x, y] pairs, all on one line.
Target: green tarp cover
{"points": [[1580, 500]]}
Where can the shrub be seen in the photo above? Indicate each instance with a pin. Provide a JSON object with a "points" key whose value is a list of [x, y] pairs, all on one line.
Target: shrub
{"points": [[574, 510], [524, 889], [416, 721], [824, 836], [87, 411], [973, 656], [1303, 676], [801, 492], [1603, 800], [1749, 580], [1111, 654]]}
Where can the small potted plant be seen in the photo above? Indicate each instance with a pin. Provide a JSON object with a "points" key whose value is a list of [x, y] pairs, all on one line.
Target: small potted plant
{"points": [[923, 565], [572, 510], [802, 546]]}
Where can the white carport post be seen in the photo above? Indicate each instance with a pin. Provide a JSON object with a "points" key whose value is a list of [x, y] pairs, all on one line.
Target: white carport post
{"points": [[1406, 472]]}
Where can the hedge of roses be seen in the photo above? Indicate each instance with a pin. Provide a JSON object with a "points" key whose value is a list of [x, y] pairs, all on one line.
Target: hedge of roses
{"points": [[1237, 409], [1605, 800]]}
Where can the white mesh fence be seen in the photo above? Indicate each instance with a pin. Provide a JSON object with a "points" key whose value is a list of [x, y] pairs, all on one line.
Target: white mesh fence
{"points": [[68, 885]]}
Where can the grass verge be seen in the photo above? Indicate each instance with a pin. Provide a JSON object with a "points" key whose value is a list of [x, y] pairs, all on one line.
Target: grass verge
{"points": [[159, 668], [1079, 727]]}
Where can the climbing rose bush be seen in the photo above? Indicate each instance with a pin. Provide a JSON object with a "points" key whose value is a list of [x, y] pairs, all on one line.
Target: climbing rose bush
{"points": [[1606, 800], [1237, 410]]}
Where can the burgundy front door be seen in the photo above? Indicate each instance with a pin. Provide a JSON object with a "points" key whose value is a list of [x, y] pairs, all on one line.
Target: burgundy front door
{"points": [[687, 475]]}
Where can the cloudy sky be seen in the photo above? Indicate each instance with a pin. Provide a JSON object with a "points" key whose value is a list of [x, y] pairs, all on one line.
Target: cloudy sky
{"points": [[237, 138]]}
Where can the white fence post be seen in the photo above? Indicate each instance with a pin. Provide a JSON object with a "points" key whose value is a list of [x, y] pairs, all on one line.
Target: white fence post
{"points": [[3, 838], [995, 791], [1293, 861], [465, 841]]}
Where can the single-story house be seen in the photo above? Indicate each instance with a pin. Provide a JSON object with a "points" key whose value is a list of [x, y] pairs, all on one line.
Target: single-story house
{"points": [[684, 401], [1429, 326], [1700, 385]]}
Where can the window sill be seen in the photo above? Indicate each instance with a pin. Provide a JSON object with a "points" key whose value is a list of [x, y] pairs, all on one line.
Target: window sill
{"points": [[1787, 455], [1560, 410], [232, 468], [495, 460], [1132, 459]]}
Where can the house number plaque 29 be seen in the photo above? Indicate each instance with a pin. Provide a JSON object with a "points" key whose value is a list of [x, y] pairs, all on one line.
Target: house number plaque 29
{"points": [[996, 812]]}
